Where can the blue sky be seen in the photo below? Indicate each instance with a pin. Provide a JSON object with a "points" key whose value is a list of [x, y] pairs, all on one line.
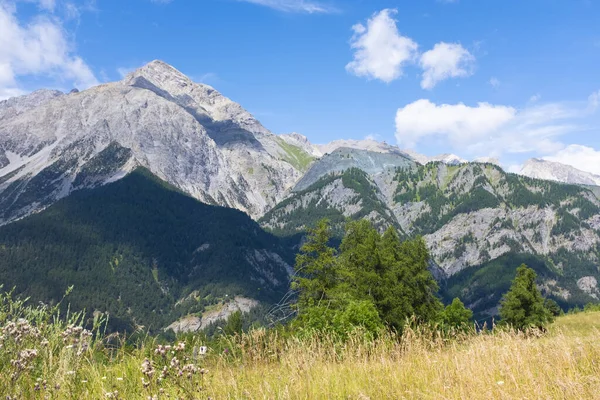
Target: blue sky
{"points": [[511, 79]]}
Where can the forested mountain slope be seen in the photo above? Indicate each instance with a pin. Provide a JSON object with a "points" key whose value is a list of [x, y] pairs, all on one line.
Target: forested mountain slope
{"points": [[470, 215], [142, 251]]}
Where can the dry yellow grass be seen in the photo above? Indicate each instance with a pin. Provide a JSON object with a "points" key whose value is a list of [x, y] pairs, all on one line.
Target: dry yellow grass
{"points": [[562, 364], [565, 364]]}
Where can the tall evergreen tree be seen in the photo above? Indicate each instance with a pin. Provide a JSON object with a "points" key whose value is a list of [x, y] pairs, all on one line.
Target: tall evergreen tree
{"points": [[372, 272], [456, 315], [522, 307], [359, 260], [316, 267], [421, 287]]}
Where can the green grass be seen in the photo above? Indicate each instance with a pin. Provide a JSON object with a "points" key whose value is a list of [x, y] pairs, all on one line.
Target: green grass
{"points": [[300, 159]]}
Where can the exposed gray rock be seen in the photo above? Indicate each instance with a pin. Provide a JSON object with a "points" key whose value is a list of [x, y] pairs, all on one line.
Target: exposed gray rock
{"points": [[589, 285], [221, 313], [553, 171], [186, 133], [345, 158]]}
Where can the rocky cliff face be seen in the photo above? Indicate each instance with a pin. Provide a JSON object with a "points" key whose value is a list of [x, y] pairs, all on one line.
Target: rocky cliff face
{"points": [[208, 146], [553, 171], [469, 214], [186, 133]]}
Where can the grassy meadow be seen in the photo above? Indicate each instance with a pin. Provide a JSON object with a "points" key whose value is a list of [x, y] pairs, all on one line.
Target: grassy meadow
{"points": [[44, 358]]}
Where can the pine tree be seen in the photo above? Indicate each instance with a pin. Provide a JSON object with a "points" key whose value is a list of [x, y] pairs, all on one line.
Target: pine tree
{"points": [[234, 324], [359, 260], [316, 267], [553, 307], [456, 315], [421, 287], [522, 307]]}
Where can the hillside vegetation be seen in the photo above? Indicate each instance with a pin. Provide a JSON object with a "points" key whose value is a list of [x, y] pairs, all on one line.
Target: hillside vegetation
{"points": [[143, 252], [479, 222], [42, 358]]}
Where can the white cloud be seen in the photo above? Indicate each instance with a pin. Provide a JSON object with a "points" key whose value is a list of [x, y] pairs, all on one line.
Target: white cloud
{"points": [[445, 60], [6, 93], [581, 157], [40, 48], [535, 98], [491, 129], [49, 5], [296, 6], [381, 52], [495, 82], [459, 122]]}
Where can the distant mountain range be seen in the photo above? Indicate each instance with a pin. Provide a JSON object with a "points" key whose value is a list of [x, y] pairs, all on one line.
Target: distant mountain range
{"points": [[194, 156], [553, 171]]}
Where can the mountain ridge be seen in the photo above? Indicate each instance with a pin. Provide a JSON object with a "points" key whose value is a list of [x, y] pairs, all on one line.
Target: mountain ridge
{"points": [[142, 251], [186, 133], [471, 214], [554, 171]]}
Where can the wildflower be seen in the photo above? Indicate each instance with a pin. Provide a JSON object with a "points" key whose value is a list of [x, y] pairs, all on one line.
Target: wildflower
{"points": [[70, 372], [174, 362], [103, 378], [500, 383], [119, 379], [164, 373], [84, 381], [147, 368], [180, 346], [203, 350]]}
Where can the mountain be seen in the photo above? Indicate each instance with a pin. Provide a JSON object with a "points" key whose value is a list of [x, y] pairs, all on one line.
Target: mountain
{"points": [[158, 129], [469, 214], [450, 159], [20, 104], [488, 160], [366, 144], [383, 147], [142, 251], [302, 142], [188, 134], [553, 171]]}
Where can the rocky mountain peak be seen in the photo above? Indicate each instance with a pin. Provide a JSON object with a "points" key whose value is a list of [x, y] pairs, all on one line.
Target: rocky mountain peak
{"points": [[158, 71], [186, 133], [20, 104], [549, 170]]}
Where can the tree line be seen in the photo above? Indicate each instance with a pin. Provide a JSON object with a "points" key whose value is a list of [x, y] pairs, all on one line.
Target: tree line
{"points": [[375, 281]]}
